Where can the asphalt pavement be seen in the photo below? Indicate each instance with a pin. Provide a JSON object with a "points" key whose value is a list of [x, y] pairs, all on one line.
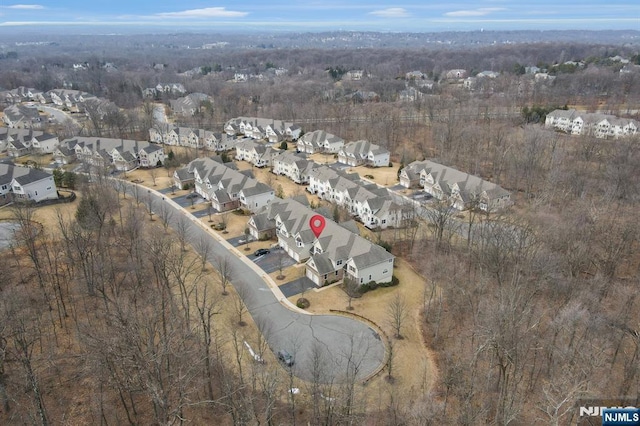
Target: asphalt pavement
{"points": [[347, 346]]}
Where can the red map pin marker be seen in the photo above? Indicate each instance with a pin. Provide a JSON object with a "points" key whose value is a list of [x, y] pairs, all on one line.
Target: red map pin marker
{"points": [[317, 224]]}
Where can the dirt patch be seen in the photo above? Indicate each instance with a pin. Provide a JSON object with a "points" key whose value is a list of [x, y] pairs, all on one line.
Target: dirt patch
{"points": [[383, 176]]}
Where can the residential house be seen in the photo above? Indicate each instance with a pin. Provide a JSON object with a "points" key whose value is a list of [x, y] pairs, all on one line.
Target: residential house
{"points": [[461, 189], [598, 125], [151, 156], [363, 152], [121, 154], [263, 128], [258, 154], [561, 119], [22, 117], [293, 166], [190, 104], [64, 155], [455, 74], [319, 141], [410, 94], [224, 186], [25, 183], [375, 207], [19, 95], [44, 143], [335, 253]]}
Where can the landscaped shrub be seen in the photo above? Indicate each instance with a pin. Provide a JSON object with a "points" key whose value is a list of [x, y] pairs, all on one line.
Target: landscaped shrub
{"points": [[303, 303], [372, 285]]}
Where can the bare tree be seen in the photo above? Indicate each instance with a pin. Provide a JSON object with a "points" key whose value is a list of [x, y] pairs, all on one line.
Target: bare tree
{"points": [[153, 174], [149, 202], [397, 312], [205, 249], [440, 216], [351, 289], [239, 304], [165, 212], [224, 221], [224, 269], [181, 226]]}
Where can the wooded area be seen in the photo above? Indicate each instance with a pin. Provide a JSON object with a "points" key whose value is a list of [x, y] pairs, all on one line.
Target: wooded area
{"points": [[109, 317]]}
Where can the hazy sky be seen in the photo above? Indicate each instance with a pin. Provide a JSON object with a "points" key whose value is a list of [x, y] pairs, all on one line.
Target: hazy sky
{"points": [[407, 15]]}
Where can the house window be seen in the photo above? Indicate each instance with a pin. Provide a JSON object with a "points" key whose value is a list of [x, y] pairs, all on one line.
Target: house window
{"points": [[339, 262]]}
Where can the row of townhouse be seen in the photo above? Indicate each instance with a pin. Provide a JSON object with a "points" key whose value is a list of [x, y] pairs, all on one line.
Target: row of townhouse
{"points": [[23, 117], [121, 154], [337, 253], [274, 131], [66, 98], [292, 165], [194, 138], [363, 152], [319, 141], [461, 189], [375, 207], [257, 153], [598, 125], [25, 183], [223, 185], [19, 142], [170, 89], [189, 105]]}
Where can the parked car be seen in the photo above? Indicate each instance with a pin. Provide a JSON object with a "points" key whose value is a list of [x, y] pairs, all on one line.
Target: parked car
{"points": [[285, 357], [261, 252]]}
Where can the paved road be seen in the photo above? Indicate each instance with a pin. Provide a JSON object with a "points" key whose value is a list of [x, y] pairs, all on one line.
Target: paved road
{"points": [[346, 346]]}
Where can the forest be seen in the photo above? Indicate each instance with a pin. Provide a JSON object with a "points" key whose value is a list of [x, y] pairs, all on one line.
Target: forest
{"points": [[108, 317]]}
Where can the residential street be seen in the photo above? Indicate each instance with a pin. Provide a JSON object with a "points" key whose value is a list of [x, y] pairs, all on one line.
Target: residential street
{"points": [[349, 346]]}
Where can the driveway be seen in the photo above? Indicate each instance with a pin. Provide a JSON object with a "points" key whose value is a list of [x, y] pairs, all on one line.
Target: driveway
{"points": [[296, 287], [345, 346], [273, 261], [185, 202]]}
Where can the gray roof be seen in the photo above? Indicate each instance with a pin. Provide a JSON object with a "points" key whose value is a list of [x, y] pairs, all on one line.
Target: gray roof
{"points": [[23, 175]]}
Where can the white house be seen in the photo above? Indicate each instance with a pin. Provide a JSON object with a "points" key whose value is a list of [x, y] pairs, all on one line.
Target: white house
{"points": [[462, 190], [26, 184], [363, 152], [319, 141], [151, 156], [293, 166], [327, 258], [598, 125], [44, 143], [224, 186]]}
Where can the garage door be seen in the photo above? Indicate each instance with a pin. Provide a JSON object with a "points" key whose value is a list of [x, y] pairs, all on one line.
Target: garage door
{"points": [[313, 277]]}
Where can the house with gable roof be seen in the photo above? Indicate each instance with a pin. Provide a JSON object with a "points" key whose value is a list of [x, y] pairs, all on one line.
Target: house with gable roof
{"points": [[328, 257], [596, 124], [363, 152], [223, 185], [461, 189], [256, 153], [263, 128], [319, 141], [293, 166], [374, 206], [121, 154], [25, 183]]}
